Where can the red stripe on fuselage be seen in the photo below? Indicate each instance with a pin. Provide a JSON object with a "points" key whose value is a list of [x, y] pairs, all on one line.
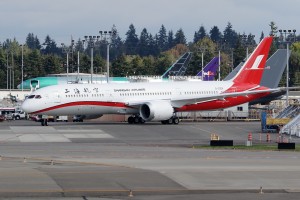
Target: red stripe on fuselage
{"points": [[83, 103]]}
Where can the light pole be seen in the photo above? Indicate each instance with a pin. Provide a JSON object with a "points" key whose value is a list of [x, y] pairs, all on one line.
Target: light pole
{"points": [[22, 66], [202, 50], [287, 36], [107, 36], [12, 71], [67, 50], [7, 72], [91, 41]]}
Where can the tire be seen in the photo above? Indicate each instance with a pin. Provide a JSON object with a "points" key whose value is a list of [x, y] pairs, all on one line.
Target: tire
{"points": [[141, 120], [130, 120], [170, 121], [136, 120], [175, 120]]}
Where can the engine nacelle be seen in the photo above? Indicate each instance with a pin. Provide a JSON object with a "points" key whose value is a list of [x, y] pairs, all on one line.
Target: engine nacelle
{"points": [[156, 111]]}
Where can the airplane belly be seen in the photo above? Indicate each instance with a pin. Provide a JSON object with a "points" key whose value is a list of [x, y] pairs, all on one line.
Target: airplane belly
{"points": [[89, 108]]}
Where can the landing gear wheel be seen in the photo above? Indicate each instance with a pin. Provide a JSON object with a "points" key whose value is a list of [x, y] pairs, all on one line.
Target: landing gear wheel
{"points": [[141, 120], [175, 120], [130, 120], [136, 120], [164, 122]]}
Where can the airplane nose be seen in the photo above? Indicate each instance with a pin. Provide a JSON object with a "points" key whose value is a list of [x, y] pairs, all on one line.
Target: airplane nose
{"points": [[26, 107]]}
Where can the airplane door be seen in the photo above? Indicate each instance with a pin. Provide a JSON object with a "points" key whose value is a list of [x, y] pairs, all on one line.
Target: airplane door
{"points": [[108, 96], [56, 97], [176, 93]]}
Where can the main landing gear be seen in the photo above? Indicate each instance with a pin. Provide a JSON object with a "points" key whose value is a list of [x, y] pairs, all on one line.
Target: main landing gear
{"points": [[172, 120], [135, 119]]}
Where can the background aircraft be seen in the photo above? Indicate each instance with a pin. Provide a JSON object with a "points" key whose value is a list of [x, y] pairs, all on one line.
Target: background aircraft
{"points": [[209, 71], [58, 79]]}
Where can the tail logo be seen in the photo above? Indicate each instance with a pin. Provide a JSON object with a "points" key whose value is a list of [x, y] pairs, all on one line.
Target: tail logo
{"points": [[257, 62]]}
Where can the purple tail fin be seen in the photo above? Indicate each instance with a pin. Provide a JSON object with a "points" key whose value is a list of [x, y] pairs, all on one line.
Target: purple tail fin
{"points": [[209, 71]]}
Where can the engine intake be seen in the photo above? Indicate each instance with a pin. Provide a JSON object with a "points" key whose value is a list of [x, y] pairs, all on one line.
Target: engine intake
{"points": [[156, 111]]}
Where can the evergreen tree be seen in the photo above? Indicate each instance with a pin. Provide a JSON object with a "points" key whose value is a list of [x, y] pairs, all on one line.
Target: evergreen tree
{"points": [[3, 69], [162, 39], [117, 46], [79, 46], [153, 46], [215, 34], [200, 34], [180, 37], [230, 36], [273, 27], [52, 64], [99, 65], [239, 52], [262, 35], [143, 46], [34, 67], [170, 39], [32, 41], [131, 41], [50, 46], [119, 66]]}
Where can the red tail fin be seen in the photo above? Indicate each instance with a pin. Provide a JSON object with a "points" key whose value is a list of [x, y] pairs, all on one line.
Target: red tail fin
{"points": [[253, 68]]}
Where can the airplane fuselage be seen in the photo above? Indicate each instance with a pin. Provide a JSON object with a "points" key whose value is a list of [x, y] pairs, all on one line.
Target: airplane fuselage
{"points": [[154, 101], [86, 99]]}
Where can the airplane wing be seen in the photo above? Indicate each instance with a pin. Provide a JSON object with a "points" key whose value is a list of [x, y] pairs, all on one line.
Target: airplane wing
{"points": [[179, 102]]}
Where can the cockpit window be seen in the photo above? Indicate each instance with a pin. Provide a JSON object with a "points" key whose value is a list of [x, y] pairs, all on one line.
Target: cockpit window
{"points": [[31, 96], [38, 96]]}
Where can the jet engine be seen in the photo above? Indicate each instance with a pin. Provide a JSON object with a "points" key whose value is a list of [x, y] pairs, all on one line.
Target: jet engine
{"points": [[156, 111]]}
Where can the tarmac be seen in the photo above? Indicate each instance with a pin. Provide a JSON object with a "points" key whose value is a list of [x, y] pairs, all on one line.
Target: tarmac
{"points": [[93, 160]]}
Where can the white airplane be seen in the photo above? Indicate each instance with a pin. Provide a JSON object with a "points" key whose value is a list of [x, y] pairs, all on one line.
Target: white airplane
{"points": [[153, 101]]}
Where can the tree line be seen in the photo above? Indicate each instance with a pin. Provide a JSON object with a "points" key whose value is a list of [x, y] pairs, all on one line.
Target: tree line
{"points": [[143, 54]]}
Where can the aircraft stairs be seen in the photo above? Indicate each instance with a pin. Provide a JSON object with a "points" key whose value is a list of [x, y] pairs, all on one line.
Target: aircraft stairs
{"points": [[289, 112], [293, 127]]}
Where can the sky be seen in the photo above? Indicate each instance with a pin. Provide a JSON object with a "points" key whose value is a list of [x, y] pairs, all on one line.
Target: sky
{"points": [[61, 19]]}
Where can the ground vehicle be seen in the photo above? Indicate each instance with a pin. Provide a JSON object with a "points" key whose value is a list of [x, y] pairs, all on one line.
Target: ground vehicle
{"points": [[19, 115], [62, 118], [6, 112], [38, 118], [2, 118]]}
